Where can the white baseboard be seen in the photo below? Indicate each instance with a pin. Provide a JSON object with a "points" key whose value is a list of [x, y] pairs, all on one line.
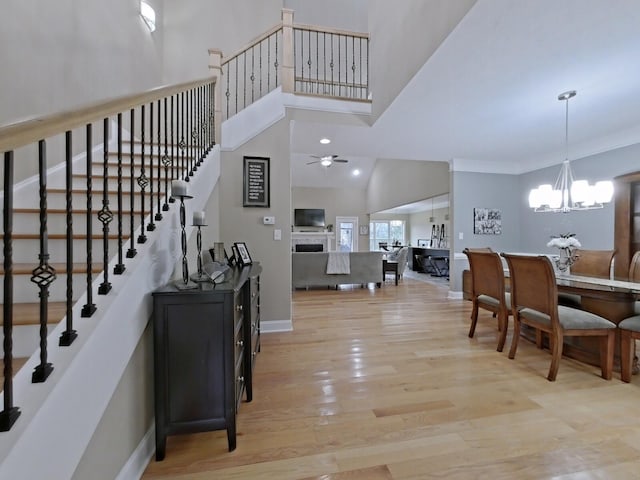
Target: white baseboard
{"points": [[273, 326], [140, 458], [453, 295]]}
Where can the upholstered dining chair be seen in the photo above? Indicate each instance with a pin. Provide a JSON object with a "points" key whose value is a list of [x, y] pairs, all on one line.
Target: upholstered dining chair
{"points": [[395, 263], [488, 290], [590, 263], [534, 302], [629, 328]]}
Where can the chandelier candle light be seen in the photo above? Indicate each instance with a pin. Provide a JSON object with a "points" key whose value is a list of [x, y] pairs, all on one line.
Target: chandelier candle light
{"points": [[568, 194]]}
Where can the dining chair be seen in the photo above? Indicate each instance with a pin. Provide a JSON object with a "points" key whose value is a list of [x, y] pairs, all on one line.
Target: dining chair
{"points": [[488, 290], [534, 302], [590, 263], [629, 328]]}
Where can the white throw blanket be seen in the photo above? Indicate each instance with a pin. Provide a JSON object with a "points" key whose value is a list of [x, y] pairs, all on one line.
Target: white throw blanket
{"points": [[338, 263]]}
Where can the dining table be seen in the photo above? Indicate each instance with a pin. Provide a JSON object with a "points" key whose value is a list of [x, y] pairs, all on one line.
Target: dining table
{"points": [[612, 299]]}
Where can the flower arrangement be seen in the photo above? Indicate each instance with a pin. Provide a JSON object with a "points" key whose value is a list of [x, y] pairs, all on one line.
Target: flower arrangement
{"points": [[565, 240], [567, 243]]}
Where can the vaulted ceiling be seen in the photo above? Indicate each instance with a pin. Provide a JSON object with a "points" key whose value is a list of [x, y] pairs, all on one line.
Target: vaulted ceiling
{"points": [[487, 98]]}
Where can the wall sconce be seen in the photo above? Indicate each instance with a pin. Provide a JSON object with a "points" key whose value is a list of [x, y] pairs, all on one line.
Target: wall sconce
{"points": [[148, 14]]}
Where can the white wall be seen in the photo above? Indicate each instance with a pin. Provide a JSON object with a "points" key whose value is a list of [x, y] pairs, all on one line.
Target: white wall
{"points": [[420, 228], [395, 58], [244, 224], [192, 27], [398, 182], [78, 52]]}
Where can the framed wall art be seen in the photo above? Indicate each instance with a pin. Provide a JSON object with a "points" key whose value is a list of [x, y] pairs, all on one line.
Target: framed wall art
{"points": [[487, 221], [256, 184]]}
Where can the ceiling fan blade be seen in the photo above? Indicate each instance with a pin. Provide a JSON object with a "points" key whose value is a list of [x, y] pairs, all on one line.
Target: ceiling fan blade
{"points": [[315, 161], [340, 160]]}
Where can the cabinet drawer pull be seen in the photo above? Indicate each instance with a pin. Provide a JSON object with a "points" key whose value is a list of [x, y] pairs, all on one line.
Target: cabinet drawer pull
{"points": [[240, 343], [239, 308], [253, 295], [240, 379], [253, 354]]}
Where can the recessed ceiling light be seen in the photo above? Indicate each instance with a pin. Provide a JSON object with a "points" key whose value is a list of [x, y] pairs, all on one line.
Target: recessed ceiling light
{"points": [[325, 141], [325, 162], [356, 172]]}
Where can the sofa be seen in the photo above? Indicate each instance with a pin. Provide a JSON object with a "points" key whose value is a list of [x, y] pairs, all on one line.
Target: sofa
{"points": [[309, 269]]}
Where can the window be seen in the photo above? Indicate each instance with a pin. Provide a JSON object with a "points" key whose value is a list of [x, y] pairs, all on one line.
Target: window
{"points": [[386, 231]]}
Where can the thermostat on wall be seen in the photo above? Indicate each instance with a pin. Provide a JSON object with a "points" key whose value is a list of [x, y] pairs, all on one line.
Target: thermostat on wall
{"points": [[268, 220]]}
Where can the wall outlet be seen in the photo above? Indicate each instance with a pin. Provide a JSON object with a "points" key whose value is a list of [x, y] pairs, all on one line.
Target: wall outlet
{"points": [[268, 220], [460, 236], [277, 234]]}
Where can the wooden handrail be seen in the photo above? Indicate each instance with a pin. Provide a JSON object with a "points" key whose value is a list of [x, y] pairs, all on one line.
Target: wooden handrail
{"points": [[29, 131], [253, 43], [335, 31]]}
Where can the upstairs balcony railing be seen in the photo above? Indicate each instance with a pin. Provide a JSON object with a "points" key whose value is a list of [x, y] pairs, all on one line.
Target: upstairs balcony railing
{"points": [[142, 142], [301, 59]]}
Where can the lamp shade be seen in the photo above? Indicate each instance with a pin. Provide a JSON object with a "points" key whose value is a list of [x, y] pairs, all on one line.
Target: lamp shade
{"points": [[603, 191]]}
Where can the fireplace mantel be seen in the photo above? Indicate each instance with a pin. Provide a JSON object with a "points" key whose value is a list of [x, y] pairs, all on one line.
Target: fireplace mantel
{"points": [[325, 238]]}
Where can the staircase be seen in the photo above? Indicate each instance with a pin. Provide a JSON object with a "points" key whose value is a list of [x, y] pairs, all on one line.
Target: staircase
{"points": [[98, 232], [98, 216]]}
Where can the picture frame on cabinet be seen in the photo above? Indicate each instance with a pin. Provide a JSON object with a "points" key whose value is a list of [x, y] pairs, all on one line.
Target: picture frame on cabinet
{"points": [[243, 253]]}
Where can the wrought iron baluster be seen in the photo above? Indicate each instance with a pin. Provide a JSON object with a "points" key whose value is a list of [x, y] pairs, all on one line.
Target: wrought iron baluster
{"points": [[339, 65], [244, 80], [324, 61], [151, 226], [43, 275], [269, 62], [174, 160], [119, 268], [166, 159], [253, 74], [159, 164], [89, 308], [227, 94], [10, 414], [182, 144], [236, 62], [317, 62], [142, 179], [260, 66], [353, 65], [360, 69], [192, 129], [69, 332], [276, 62], [212, 121], [105, 215], [331, 66], [131, 252]]}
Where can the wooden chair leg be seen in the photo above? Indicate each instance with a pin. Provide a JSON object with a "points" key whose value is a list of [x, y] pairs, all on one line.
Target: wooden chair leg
{"points": [[556, 341], [539, 338], [474, 319], [626, 355], [606, 354], [516, 336], [503, 321]]}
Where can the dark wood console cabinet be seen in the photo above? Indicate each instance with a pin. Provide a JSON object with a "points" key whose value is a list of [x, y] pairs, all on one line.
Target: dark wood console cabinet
{"points": [[205, 344]]}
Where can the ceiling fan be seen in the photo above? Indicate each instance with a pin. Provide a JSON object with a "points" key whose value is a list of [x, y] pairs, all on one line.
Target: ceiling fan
{"points": [[327, 160]]}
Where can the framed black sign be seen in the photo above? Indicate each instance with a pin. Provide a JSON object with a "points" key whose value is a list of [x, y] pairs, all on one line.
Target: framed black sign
{"points": [[256, 190]]}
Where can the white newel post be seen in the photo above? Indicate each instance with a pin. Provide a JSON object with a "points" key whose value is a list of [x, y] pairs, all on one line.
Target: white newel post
{"points": [[288, 73], [215, 65]]}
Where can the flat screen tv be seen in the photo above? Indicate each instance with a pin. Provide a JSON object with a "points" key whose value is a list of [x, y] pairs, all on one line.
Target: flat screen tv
{"points": [[308, 217]]}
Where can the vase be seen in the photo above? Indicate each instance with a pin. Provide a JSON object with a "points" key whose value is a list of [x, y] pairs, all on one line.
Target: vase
{"points": [[566, 259]]}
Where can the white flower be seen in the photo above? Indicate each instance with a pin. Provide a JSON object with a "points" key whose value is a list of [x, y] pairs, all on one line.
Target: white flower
{"points": [[564, 242]]}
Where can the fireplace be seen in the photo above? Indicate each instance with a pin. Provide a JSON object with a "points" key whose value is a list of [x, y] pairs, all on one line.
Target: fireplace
{"points": [[309, 247]]}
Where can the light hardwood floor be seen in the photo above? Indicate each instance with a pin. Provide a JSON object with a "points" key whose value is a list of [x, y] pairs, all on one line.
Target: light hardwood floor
{"points": [[384, 383]]}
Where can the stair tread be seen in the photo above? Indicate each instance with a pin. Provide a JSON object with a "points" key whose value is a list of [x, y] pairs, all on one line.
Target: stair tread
{"points": [[29, 313], [60, 211], [62, 236], [27, 268], [17, 364]]}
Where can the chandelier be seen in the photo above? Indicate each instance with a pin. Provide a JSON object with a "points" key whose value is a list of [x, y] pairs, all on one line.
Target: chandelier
{"points": [[568, 194]]}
